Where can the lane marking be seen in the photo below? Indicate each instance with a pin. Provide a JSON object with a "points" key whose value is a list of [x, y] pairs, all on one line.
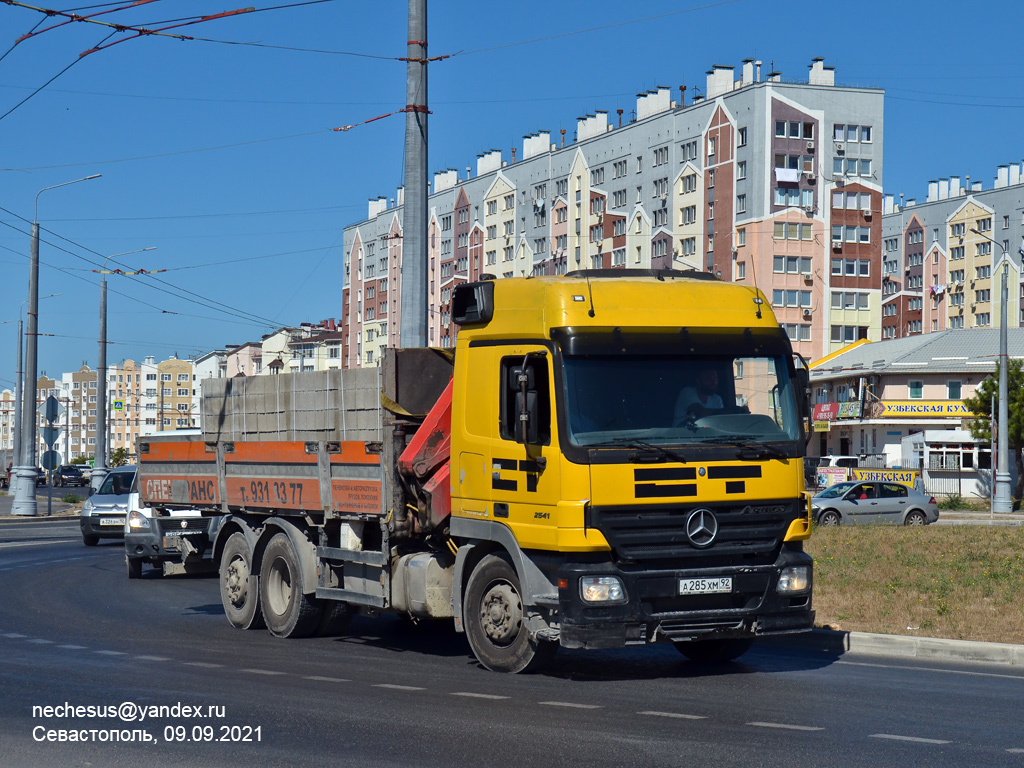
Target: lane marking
{"points": [[933, 669], [679, 715], [394, 687], [262, 671], [73, 647], [1016, 751], [323, 679], [15, 544], [41, 641], [569, 704], [111, 653], [140, 658], [203, 664], [14, 635], [471, 695], [915, 739], [786, 726]]}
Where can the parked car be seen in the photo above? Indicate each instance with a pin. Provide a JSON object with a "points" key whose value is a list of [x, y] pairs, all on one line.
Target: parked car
{"points": [[104, 512], [856, 503], [40, 476], [69, 474]]}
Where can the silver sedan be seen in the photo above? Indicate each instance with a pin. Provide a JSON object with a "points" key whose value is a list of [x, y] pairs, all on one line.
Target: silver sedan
{"points": [[856, 503]]}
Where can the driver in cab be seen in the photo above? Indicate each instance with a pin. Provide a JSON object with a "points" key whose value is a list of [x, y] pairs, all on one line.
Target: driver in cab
{"points": [[701, 400]]}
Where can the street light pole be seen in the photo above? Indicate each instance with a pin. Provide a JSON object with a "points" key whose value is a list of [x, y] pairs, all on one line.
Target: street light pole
{"points": [[25, 497], [1002, 502], [100, 461]]}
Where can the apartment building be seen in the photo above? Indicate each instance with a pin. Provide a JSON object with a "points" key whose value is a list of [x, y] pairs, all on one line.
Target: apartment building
{"points": [[942, 259], [762, 181], [124, 406], [6, 421]]}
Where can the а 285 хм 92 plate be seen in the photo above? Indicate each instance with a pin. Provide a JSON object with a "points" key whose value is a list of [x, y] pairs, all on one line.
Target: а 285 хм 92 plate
{"points": [[705, 586]]}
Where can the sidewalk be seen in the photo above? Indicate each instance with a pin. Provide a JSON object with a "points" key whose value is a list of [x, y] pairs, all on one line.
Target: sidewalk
{"points": [[970, 517], [58, 508], [835, 643]]}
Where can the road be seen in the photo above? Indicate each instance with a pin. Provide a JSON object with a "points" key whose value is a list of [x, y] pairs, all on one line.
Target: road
{"points": [[74, 630]]}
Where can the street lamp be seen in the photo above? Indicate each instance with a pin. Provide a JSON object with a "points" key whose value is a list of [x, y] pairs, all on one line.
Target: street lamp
{"points": [[1002, 503], [25, 497], [100, 461]]}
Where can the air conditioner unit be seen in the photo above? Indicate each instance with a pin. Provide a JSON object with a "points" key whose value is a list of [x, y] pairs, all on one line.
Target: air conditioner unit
{"points": [[867, 214], [810, 145], [810, 176], [840, 147], [663, 197], [807, 314], [809, 208], [808, 278], [972, 306]]}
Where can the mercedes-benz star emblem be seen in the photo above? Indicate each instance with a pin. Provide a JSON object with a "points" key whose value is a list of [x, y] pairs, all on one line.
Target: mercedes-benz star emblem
{"points": [[701, 527]]}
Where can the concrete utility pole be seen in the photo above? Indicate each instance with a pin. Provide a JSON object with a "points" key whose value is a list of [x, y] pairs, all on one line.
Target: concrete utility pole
{"points": [[101, 383], [413, 329], [25, 497]]}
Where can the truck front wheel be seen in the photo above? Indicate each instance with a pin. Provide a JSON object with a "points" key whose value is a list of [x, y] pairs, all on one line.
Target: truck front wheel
{"points": [[287, 611], [239, 586], [494, 623]]}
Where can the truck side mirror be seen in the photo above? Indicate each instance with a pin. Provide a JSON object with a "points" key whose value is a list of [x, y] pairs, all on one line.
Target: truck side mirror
{"points": [[802, 388]]}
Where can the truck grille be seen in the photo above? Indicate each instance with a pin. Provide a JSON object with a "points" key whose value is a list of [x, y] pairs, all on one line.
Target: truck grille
{"points": [[174, 524], [749, 533]]}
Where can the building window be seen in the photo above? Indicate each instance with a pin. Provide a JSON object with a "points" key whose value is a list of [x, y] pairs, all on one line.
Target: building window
{"points": [[741, 170], [954, 390], [741, 203], [916, 388], [742, 137]]}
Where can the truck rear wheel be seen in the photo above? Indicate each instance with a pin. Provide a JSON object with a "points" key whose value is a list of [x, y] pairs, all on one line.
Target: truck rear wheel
{"points": [[715, 650], [239, 586], [494, 620], [286, 610]]}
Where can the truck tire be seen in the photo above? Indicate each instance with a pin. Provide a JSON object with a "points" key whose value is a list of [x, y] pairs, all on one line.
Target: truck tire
{"points": [[286, 610], [134, 566], [239, 586], [334, 619], [715, 650], [493, 614]]}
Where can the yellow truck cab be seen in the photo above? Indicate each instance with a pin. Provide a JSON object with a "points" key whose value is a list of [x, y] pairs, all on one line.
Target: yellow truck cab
{"points": [[626, 466]]}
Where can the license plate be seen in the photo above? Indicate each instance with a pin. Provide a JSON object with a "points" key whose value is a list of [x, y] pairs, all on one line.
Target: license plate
{"points": [[111, 521], [705, 586], [172, 542]]}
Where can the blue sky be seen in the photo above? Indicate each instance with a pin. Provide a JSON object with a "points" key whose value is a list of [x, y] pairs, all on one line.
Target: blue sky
{"points": [[222, 157]]}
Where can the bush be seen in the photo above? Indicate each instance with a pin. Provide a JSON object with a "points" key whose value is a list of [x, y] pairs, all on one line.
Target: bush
{"points": [[954, 501], [70, 498]]}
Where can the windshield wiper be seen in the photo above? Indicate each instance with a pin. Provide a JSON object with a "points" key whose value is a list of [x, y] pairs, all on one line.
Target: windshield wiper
{"points": [[750, 449], [651, 452]]}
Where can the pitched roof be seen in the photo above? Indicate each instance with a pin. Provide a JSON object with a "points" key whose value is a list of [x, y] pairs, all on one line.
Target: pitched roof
{"points": [[952, 351]]}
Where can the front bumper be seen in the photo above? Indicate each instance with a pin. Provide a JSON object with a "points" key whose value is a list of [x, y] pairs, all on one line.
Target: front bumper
{"points": [[162, 542], [654, 611], [92, 525]]}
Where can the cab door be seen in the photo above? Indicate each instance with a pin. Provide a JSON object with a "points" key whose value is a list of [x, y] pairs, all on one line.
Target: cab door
{"points": [[507, 473]]}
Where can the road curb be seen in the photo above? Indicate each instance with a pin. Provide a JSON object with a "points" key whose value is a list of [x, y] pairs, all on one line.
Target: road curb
{"points": [[840, 643]]}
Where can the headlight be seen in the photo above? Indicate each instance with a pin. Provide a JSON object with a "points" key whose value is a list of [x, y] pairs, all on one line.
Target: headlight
{"points": [[602, 589], [795, 578], [87, 507], [137, 521]]}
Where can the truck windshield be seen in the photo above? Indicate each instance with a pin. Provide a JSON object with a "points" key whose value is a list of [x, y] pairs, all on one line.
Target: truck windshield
{"points": [[679, 399]]}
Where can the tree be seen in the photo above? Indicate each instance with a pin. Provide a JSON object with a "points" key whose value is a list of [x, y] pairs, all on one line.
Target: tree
{"points": [[981, 427], [118, 457]]}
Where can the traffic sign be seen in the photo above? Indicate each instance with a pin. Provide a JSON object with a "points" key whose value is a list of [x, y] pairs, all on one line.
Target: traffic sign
{"points": [[50, 435], [52, 408], [51, 460], [118, 405]]}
